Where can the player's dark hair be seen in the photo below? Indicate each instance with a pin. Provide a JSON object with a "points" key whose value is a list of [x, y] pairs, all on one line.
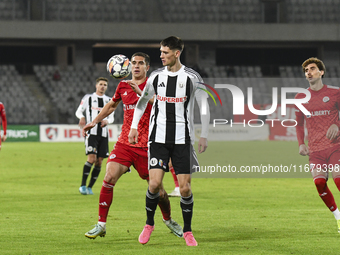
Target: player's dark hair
{"points": [[316, 61], [174, 43], [102, 79], [144, 55]]}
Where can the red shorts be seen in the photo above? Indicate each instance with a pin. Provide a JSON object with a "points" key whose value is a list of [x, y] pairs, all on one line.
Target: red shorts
{"points": [[325, 160], [127, 156]]}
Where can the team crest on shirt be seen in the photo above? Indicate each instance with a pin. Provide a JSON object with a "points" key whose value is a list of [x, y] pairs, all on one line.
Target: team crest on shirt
{"points": [[181, 84], [153, 162], [325, 99], [112, 156]]}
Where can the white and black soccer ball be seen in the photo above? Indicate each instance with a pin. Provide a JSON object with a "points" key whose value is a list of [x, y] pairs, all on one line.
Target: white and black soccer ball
{"points": [[119, 66]]}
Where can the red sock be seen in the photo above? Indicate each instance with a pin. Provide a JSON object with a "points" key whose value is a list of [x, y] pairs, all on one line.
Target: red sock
{"points": [[174, 176], [164, 205], [337, 182], [325, 194], [105, 200]]}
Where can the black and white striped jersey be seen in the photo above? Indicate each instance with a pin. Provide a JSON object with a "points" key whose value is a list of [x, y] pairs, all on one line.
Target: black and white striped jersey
{"points": [[89, 107], [172, 115]]}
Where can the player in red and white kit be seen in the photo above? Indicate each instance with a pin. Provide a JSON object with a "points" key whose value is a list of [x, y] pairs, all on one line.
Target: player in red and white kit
{"points": [[4, 123], [125, 154], [323, 132]]}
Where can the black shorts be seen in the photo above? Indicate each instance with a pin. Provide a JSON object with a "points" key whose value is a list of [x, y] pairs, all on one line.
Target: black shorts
{"points": [[183, 157], [96, 144]]}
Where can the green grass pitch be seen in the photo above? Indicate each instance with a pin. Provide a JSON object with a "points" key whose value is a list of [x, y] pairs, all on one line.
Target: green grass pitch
{"points": [[42, 212]]}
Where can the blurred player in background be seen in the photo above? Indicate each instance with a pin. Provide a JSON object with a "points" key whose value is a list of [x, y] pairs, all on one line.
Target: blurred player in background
{"points": [[323, 132], [97, 143], [125, 154], [171, 131], [4, 123]]}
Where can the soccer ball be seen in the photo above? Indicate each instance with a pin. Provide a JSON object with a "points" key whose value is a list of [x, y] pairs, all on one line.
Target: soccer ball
{"points": [[119, 66]]}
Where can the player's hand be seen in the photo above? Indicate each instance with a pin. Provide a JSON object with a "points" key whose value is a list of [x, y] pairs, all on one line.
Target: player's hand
{"points": [[133, 136], [87, 128], [135, 87], [104, 123], [332, 132], [3, 138], [82, 123], [202, 144], [303, 150]]}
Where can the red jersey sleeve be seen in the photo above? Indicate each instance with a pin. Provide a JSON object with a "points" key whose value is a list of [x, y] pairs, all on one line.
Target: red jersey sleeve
{"points": [[117, 97], [338, 106], [300, 126], [3, 117]]}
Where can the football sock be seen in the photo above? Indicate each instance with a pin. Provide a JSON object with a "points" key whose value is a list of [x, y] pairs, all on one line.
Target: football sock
{"points": [[164, 205], [102, 224], [105, 200], [86, 172], [325, 194], [336, 214], [172, 170], [94, 176], [151, 202], [187, 204]]}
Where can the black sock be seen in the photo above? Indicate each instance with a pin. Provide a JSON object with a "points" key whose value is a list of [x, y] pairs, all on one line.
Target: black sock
{"points": [[151, 202], [94, 176], [86, 172], [187, 204]]}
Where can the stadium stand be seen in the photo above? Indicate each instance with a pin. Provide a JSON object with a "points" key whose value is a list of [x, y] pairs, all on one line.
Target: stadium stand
{"points": [[22, 106], [75, 82]]}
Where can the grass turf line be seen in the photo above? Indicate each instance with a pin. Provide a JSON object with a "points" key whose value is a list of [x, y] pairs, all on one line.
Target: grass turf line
{"points": [[42, 212]]}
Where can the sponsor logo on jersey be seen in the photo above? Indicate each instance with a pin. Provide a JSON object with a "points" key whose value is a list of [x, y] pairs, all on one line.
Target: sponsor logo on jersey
{"points": [[319, 113], [161, 85], [129, 106], [171, 99], [325, 99], [153, 162], [125, 93], [96, 108]]}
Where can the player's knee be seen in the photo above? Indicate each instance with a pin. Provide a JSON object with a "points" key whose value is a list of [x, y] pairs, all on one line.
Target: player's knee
{"points": [[320, 184], [154, 186], [185, 190]]}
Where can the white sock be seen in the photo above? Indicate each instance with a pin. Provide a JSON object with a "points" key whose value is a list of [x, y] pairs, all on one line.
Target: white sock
{"points": [[102, 224], [336, 214], [177, 189]]}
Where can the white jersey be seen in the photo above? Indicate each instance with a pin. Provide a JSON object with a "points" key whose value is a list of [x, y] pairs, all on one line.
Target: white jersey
{"points": [[89, 107], [172, 115]]}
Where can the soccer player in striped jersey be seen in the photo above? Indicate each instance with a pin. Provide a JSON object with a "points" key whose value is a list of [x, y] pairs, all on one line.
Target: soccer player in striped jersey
{"points": [[171, 133], [323, 132], [4, 123], [125, 154], [97, 143]]}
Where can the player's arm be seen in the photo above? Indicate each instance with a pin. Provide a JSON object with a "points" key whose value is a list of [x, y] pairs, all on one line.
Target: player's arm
{"points": [[138, 91], [142, 103], [109, 108], [333, 130], [109, 119], [202, 101], [80, 110], [4, 124], [300, 132]]}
